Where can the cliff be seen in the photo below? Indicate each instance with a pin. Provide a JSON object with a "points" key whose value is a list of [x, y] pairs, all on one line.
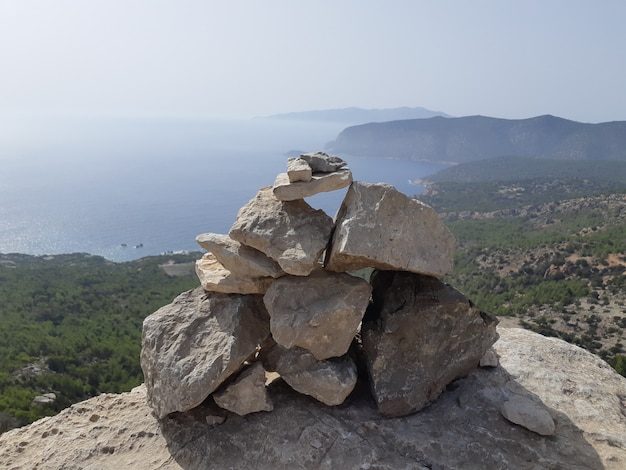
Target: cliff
{"points": [[464, 428]]}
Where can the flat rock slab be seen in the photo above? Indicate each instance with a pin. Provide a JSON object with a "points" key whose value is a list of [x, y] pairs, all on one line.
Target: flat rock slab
{"points": [[290, 232], [418, 336], [216, 278], [527, 413], [377, 226], [247, 394], [284, 190], [329, 381], [192, 345], [241, 260], [321, 312]]}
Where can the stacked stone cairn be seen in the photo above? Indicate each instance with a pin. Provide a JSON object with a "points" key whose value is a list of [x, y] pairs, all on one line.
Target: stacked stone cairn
{"points": [[285, 294]]}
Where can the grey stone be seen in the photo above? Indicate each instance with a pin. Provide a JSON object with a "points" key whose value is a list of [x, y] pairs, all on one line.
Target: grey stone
{"points": [[320, 161], [292, 233], [529, 414], [298, 170], [377, 226], [192, 345], [321, 312], [418, 336], [320, 182], [216, 278], [241, 260], [329, 381], [247, 394], [489, 359]]}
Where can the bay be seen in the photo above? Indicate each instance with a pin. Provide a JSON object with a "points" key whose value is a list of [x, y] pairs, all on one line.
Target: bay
{"points": [[129, 188]]}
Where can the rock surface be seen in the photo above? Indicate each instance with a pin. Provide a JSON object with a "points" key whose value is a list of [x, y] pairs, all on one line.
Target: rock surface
{"points": [[320, 161], [418, 336], [241, 260], [298, 170], [192, 345], [284, 190], [247, 394], [292, 233], [328, 381], [528, 413], [378, 226], [216, 278], [463, 429], [321, 312]]}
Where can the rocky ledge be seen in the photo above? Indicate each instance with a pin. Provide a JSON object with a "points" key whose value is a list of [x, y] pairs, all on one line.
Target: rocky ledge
{"points": [[463, 429]]}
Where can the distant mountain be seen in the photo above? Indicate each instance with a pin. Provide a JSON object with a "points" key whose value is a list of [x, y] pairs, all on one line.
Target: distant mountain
{"points": [[471, 138], [358, 115]]}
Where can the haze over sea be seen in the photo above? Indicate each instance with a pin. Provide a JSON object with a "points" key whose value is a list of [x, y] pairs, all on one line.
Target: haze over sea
{"points": [[129, 188]]}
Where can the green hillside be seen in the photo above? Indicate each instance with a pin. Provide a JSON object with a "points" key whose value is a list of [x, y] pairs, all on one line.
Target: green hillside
{"points": [[71, 325]]}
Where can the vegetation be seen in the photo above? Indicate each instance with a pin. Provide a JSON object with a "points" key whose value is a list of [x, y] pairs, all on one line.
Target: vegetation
{"points": [[71, 325], [550, 252]]}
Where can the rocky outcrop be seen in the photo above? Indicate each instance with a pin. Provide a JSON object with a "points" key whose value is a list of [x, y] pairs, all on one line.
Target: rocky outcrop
{"points": [[463, 429], [378, 226]]}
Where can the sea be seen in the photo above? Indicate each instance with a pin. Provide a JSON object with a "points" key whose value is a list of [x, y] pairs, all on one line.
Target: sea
{"points": [[126, 188]]}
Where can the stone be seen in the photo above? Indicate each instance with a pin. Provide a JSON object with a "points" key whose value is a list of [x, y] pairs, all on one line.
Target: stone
{"points": [[44, 400], [523, 411], [192, 345], [216, 278], [489, 359], [418, 336], [284, 190], [292, 233], [298, 170], [320, 313], [320, 161], [329, 381], [241, 260], [247, 394], [585, 396], [377, 226]]}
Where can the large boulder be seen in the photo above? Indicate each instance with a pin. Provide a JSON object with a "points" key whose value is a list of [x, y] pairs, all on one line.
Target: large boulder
{"points": [[285, 190], [247, 394], [241, 260], [192, 345], [321, 312], [378, 226], [329, 381], [418, 336], [290, 232], [216, 278]]}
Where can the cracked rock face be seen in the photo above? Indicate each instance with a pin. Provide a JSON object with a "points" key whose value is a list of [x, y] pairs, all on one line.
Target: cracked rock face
{"points": [[290, 232], [377, 226], [321, 312], [418, 336], [192, 345]]}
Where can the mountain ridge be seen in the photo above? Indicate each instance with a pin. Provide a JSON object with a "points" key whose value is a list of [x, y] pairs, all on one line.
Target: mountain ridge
{"points": [[356, 115], [469, 138]]}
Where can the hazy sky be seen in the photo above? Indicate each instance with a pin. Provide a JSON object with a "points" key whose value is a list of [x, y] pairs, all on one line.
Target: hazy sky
{"points": [[244, 58]]}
